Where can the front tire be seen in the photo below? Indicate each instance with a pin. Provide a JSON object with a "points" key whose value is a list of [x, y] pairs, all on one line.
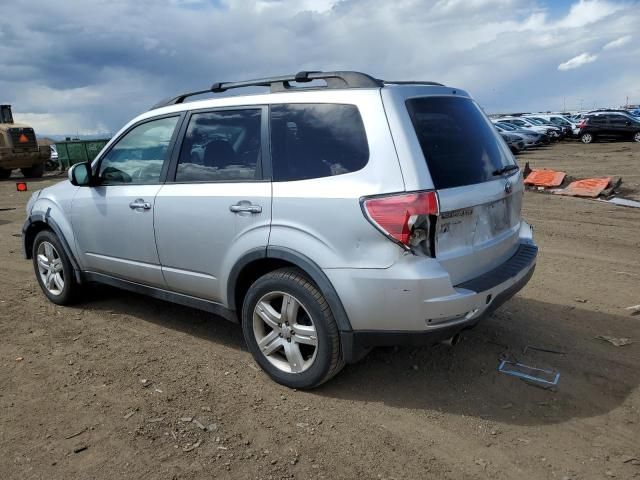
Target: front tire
{"points": [[636, 137], [587, 138], [35, 171], [290, 330], [53, 269]]}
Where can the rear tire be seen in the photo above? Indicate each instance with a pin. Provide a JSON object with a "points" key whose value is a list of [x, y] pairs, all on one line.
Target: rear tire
{"points": [[4, 173], [587, 138], [53, 269], [278, 304], [35, 171], [636, 137]]}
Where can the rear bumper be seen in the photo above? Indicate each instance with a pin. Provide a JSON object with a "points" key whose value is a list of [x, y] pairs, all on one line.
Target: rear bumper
{"points": [[358, 343], [423, 311]]}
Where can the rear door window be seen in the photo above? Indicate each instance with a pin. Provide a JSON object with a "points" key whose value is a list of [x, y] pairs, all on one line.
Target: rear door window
{"points": [[316, 140], [458, 142], [221, 146]]}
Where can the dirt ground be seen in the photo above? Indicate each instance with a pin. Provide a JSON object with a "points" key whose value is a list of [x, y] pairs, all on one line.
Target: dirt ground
{"points": [[106, 389]]}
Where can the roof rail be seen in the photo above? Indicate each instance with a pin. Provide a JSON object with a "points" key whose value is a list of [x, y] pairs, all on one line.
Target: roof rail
{"points": [[410, 82], [340, 79]]}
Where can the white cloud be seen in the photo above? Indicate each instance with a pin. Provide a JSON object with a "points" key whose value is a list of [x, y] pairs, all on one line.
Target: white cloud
{"points": [[619, 42], [586, 12], [577, 61], [89, 67], [60, 124]]}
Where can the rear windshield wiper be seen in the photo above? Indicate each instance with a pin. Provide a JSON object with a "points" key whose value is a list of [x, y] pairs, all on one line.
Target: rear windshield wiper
{"points": [[505, 169]]}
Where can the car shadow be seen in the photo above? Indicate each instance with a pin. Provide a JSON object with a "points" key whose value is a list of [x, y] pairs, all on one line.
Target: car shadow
{"points": [[166, 314], [595, 376]]}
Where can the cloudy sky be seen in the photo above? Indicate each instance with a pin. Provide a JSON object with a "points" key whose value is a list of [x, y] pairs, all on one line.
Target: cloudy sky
{"points": [[87, 66]]}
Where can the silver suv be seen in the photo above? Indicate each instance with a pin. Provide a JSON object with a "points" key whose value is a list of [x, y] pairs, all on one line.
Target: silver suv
{"points": [[336, 213]]}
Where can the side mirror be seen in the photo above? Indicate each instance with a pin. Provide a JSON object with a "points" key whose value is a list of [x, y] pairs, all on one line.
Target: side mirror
{"points": [[80, 174]]}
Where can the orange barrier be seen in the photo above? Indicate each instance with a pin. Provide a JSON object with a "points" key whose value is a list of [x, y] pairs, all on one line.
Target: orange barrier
{"points": [[545, 178], [589, 187]]}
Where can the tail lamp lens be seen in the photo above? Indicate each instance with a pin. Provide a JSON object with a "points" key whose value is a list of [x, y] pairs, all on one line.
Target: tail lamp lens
{"points": [[405, 217]]}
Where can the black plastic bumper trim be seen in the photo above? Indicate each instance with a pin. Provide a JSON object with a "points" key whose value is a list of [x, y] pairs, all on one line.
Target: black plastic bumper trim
{"points": [[524, 257]]}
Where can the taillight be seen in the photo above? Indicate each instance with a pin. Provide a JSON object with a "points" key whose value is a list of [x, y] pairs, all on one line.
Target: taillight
{"points": [[408, 218], [581, 124]]}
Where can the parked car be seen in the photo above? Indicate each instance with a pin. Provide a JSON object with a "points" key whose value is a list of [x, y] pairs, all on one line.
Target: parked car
{"points": [[514, 142], [522, 122], [559, 131], [326, 220], [531, 138], [610, 125], [570, 129]]}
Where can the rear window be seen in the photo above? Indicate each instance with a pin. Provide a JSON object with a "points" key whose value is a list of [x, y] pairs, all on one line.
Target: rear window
{"points": [[316, 140], [459, 144]]}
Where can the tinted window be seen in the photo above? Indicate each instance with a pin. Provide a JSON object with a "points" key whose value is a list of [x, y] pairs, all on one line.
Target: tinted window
{"points": [[316, 140], [458, 142], [618, 120], [598, 120], [221, 146], [137, 157]]}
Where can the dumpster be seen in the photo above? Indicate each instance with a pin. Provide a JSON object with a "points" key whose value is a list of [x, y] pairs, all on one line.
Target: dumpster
{"points": [[71, 152]]}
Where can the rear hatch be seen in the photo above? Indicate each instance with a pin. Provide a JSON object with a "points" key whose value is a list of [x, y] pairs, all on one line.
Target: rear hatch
{"points": [[478, 185]]}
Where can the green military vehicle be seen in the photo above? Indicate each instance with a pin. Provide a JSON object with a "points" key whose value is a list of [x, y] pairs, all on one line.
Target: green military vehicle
{"points": [[19, 147]]}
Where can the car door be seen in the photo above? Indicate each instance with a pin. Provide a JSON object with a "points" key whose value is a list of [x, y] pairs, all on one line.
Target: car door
{"points": [[622, 125], [598, 125], [216, 204], [113, 219]]}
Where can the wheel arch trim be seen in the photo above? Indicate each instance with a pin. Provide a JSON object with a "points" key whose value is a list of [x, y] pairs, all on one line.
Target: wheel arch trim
{"points": [[304, 263], [45, 218]]}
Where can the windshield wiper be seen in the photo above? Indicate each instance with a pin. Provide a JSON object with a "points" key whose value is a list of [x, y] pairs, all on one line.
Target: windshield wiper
{"points": [[505, 169]]}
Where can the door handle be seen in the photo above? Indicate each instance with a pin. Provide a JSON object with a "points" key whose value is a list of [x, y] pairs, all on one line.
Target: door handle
{"points": [[245, 206], [139, 203]]}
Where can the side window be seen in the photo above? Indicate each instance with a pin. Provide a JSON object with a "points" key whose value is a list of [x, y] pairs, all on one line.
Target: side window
{"points": [[138, 156], [599, 120], [617, 120], [221, 146], [316, 140]]}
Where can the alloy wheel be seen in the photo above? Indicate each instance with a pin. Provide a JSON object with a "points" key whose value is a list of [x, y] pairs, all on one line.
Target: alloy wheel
{"points": [[50, 268], [285, 332], [586, 138], [636, 137]]}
